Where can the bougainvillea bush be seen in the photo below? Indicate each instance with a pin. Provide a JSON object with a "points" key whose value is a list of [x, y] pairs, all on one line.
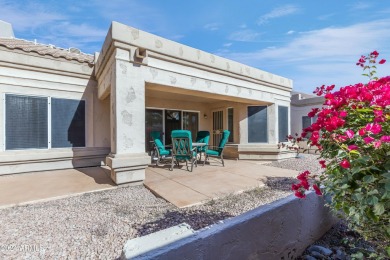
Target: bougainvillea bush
{"points": [[352, 134]]}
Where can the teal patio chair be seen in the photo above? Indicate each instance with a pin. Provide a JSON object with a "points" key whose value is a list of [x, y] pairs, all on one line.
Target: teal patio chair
{"points": [[182, 149], [161, 153], [218, 150], [202, 137]]}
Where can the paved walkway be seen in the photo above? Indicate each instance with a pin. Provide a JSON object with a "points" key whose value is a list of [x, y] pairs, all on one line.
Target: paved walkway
{"points": [[180, 187], [183, 188], [19, 189]]}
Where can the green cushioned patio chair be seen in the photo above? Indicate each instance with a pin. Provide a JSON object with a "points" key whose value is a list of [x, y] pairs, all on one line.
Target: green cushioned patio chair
{"points": [[182, 149], [202, 137], [160, 151], [218, 150]]}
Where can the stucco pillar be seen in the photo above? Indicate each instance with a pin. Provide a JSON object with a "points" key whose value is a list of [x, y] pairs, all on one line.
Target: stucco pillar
{"points": [[127, 159], [272, 114]]}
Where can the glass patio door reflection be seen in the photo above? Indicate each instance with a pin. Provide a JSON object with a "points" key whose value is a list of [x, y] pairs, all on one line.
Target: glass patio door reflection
{"points": [[172, 122], [153, 122], [191, 122]]}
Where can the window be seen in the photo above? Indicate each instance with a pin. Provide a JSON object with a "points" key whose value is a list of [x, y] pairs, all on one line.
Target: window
{"points": [[67, 123], [26, 121], [283, 123], [27, 124], [230, 123], [257, 124], [306, 122]]}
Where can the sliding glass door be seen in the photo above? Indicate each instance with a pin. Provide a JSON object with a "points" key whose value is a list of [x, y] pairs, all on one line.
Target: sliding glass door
{"points": [[167, 120], [153, 122], [191, 122], [172, 122]]}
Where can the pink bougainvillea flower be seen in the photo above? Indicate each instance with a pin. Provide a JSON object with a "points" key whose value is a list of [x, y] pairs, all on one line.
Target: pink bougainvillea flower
{"points": [[345, 164], [303, 175], [374, 128], [317, 189], [377, 144], [295, 186], [374, 54], [313, 112], [368, 139], [300, 194], [343, 113], [382, 61], [362, 132], [322, 163], [378, 113], [353, 147], [350, 133], [305, 184], [385, 139]]}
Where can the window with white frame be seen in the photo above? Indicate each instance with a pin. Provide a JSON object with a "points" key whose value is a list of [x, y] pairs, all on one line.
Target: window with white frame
{"points": [[43, 122]]}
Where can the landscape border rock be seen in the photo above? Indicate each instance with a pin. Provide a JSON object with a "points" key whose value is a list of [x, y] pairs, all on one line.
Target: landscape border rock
{"points": [[280, 230]]}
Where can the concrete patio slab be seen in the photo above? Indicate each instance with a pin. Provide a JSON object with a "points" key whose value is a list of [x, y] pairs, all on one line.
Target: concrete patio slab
{"points": [[183, 188], [176, 193], [19, 189]]}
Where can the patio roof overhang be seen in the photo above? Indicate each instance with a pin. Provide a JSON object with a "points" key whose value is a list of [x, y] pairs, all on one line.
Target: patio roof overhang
{"points": [[184, 95]]}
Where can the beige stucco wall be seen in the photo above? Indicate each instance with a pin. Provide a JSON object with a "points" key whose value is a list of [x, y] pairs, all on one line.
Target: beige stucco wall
{"points": [[36, 75]]}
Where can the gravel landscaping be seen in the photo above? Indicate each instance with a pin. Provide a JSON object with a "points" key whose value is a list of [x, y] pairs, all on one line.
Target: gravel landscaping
{"points": [[96, 225]]}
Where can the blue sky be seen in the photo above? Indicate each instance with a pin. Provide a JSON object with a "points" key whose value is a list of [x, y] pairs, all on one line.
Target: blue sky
{"points": [[310, 42]]}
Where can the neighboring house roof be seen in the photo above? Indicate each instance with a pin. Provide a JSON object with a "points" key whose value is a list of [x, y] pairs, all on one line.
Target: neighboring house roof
{"points": [[42, 49], [304, 99]]}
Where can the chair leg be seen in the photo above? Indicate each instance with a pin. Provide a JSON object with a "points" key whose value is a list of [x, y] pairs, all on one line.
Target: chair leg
{"points": [[192, 164], [205, 158], [172, 162], [223, 164]]}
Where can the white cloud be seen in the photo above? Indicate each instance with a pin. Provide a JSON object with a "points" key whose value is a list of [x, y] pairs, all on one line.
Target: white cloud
{"points": [[246, 35], [277, 12], [227, 44], [361, 6], [323, 56], [290, 32], [25, 17], [212, 26]]}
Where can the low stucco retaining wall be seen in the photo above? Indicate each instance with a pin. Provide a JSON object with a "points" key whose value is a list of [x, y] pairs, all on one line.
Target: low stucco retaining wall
{"points": [[281, 230]]}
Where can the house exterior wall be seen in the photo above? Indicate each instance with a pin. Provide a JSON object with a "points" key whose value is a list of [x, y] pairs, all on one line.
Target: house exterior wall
{"points": [[301, 105], [133, 62], [37, 75]]}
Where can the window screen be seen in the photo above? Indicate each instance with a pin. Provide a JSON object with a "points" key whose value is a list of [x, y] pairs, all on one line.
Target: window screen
{"points": [[257, 124], [67, 123], [283, 123], [26, 122]]}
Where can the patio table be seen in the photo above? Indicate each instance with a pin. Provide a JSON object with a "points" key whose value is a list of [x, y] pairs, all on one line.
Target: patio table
{"points": [[198, 145]]}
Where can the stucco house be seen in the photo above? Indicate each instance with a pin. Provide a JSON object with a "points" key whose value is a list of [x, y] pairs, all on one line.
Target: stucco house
{"points": [[61, 108], [301, 105]]}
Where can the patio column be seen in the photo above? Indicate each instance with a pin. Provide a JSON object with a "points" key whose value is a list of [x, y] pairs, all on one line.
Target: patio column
{"points": [[272, 124], [127, 159]]}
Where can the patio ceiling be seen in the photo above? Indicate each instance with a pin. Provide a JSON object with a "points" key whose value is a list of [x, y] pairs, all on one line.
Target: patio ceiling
{"points": [[173, 93]]}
